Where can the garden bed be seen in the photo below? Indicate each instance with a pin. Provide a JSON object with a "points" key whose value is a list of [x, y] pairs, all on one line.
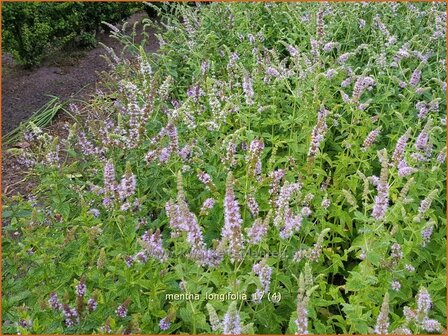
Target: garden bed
{"points": [[274, 168]]}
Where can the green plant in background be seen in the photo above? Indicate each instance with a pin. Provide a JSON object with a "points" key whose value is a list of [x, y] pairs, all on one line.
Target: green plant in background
{"points": [[24, 33], [273, 168], [33, 29]]}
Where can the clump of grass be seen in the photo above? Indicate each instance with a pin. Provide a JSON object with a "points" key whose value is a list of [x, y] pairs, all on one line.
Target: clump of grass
{"points": [[41, 118]]}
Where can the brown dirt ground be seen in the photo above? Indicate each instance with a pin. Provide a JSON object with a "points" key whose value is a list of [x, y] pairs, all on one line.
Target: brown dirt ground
{"points": [[67, 75]]}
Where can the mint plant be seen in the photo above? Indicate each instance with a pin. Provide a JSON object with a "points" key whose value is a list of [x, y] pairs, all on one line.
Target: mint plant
{"points": [[287, 157]]}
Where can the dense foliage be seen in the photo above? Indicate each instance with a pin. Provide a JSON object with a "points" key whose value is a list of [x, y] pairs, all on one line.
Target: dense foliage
{"points": [[30, 29], [288, 156]]}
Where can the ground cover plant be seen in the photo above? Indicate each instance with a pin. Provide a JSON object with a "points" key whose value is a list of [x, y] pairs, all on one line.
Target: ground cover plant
{"points": [[273, 168]]}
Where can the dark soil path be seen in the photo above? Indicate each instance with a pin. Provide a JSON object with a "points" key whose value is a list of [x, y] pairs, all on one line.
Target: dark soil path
{"points": [[66, 75]]}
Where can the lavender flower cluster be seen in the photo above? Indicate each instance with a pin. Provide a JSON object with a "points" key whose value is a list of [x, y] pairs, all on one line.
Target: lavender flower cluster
{"points": [[231, 232], [264, 273], [318, 133], [72, 315], [382, 198]]}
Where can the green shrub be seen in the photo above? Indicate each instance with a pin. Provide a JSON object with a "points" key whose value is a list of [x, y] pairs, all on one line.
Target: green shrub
{"points": [[31, 30]]}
